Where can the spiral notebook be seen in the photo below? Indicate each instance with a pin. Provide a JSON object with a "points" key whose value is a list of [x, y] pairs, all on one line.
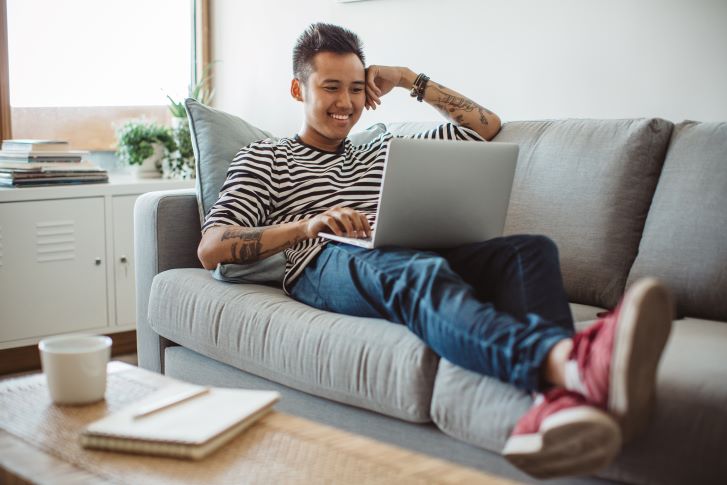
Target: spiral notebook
{"points": [[181, 421]]}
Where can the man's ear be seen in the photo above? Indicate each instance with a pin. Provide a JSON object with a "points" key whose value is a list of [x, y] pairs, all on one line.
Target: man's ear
{"points": [[296, 90]]}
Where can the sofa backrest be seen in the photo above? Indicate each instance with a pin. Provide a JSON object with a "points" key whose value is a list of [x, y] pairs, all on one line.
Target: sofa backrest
{"points": [[685, 236], [587, 184]]}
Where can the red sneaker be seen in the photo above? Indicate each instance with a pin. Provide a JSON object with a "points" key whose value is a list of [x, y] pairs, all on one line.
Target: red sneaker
{"points": [[614, 361], [563, 435]]}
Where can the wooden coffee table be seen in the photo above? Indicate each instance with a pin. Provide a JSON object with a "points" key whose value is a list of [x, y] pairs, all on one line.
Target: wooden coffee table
{"points": [[39, 444]]}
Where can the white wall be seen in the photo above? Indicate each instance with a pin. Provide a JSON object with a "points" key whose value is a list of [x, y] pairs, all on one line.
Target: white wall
{"points": [[524, 59]]}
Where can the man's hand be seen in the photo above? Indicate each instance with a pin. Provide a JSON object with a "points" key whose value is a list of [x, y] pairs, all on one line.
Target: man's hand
{"points": [[380, 80], [341, 221]]}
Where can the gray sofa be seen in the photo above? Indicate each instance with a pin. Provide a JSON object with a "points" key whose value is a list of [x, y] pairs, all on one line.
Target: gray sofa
{"points": [[621, 198]]}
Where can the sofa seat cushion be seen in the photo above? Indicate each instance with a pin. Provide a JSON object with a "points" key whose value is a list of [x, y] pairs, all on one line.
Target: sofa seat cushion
{"points": [[684, 443], [684, 241], [364, 362], [587, 184], [583, 314]]}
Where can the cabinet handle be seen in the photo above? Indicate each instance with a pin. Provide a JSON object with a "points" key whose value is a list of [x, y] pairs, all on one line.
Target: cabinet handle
{"points": [[122, 259], [98, 261]]}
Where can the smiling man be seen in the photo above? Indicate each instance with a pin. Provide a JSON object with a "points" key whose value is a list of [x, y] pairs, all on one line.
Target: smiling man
{"points": [[497, 307]]}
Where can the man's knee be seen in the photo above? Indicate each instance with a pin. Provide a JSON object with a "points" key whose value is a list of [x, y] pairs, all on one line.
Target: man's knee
{"points": [[544, 244], [535, 243]]}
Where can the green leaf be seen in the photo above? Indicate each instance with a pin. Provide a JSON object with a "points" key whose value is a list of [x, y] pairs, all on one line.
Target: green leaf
{"points": [[136, 140]]}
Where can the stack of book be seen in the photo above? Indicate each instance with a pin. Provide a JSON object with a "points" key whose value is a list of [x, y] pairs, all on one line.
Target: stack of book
{"points": [[45, 162]]}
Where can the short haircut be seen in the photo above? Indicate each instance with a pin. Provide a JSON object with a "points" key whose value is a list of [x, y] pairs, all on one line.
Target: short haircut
{"points": [[320, 37]]}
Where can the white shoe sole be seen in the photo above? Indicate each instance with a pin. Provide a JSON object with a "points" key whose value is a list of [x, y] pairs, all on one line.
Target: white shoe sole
{"points": [[643, 328], [575, 441]]}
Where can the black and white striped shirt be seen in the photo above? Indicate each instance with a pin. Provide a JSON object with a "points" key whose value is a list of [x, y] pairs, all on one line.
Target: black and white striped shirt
{"points": [[273, 182]]}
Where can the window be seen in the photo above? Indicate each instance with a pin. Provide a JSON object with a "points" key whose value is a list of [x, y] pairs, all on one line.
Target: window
{"points": [[79, 68]]}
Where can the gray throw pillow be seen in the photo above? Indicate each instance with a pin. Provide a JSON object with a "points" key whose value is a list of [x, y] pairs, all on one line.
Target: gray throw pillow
{"points": [[587, 184], [684, 241], [268, 271]]}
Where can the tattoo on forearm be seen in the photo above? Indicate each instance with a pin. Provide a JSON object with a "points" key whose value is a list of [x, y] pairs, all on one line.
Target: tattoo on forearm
{"points": [[449, 104], [247, 247], [461, 122], [456, 102]]}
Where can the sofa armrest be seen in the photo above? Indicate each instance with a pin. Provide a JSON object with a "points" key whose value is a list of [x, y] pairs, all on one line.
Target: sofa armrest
{"points": [[166, 236]]}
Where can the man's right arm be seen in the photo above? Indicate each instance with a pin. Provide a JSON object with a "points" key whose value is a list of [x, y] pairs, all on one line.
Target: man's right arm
{"points": [[238, 244]]}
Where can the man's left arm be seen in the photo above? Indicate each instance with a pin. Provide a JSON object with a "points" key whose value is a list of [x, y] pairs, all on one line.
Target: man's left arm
{"points": [[455, 107]]}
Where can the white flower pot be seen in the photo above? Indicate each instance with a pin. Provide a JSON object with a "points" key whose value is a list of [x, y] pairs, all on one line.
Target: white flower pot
{"points": [[151, 167]]}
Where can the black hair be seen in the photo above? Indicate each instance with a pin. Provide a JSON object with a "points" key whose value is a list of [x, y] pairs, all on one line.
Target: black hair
{"points": [[320, 37]]}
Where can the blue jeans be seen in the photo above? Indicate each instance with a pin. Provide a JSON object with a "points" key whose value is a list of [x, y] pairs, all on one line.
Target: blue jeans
{"points": [[495, 307]]}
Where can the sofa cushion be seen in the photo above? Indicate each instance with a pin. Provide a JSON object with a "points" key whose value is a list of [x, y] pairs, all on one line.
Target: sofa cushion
{"points": [[689, 422], [685, 237], [587, 184], [584, 313], [364, 362], [477, 409]]}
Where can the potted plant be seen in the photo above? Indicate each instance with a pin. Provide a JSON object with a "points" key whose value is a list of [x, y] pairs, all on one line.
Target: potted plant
{"points": [[144, 145], [181, 164]]}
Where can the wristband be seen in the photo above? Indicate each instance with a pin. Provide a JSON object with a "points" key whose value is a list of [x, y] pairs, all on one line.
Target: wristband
{"points": [[415, 85], [417, 89]]}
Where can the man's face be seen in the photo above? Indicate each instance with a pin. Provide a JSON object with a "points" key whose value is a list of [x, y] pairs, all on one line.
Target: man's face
{"points": [[333, 96]]}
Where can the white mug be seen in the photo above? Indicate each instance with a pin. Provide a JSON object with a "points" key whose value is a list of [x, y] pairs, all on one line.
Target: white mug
{"points": [[75, 367]]}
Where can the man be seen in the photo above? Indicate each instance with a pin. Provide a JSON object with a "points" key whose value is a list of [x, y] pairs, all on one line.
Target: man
{"points": [[496, 307]]}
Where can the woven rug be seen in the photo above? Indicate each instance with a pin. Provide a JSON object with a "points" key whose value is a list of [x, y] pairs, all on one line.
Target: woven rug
{"points": [[278, 449]]}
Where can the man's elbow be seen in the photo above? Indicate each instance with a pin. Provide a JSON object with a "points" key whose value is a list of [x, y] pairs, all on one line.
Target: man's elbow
{"points": [[207, 263], [493, 128], [205, 255]]}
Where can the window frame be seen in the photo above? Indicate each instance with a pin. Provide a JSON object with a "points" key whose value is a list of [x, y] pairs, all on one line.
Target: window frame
{"points": [[93, 127], [5, 119]]}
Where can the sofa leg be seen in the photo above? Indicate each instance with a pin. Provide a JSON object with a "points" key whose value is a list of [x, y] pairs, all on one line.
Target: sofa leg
{"points": [[163, 344]]}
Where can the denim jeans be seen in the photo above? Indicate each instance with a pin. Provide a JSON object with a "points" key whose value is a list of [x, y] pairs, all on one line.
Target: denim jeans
{"points": [[495, 307]]}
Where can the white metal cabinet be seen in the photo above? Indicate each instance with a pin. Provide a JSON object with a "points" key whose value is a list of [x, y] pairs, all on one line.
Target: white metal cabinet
{"points": [[52, 268], [50, 241], [123, 230]]}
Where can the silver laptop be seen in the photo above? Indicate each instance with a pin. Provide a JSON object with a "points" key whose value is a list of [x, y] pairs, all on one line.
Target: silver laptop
{"points": [[438, 194]]}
